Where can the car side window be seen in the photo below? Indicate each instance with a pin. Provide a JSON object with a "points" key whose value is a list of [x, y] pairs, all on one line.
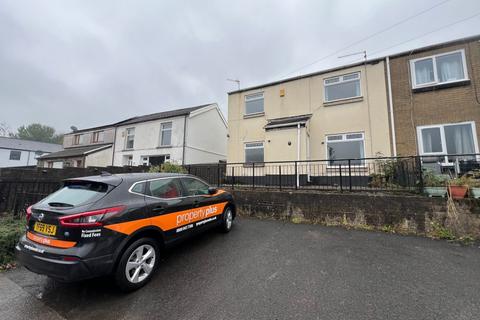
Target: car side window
{"points": [[195, 187], [139, 188], [165, 188]]}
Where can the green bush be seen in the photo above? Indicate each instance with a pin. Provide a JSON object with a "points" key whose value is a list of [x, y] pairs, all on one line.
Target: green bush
{"points": [[10, 231], [168, 167]]}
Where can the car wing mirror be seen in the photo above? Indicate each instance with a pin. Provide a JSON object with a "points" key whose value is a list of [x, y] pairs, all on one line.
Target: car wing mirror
{"points": [[212, 190]]}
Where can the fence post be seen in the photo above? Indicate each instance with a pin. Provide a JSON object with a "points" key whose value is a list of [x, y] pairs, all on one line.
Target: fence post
{"points": [[418, 164], [280, 176], [341, 178], [350, 175], [233, 177], [253, 175], [297, 182]]}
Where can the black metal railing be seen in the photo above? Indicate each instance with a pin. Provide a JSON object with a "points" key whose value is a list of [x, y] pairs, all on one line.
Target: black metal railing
{"points": [[360, 174]]}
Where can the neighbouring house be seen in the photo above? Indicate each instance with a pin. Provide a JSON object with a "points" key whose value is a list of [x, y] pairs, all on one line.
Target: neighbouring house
{"points": [[18, 152], [92, 147], [340, 113], [436, 100], [184, 136]]}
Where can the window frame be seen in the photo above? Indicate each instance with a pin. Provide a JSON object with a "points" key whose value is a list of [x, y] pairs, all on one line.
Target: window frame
{"points": [[435, 72], [128, 135], [326, 85], [19, 152], [443, 139], [246, 97], [344, 135], [162, 130], [76, 139], [96, 136], [245, 151]]}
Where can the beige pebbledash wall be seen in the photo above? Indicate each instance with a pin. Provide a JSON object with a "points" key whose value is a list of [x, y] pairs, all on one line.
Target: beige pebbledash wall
{"points": [[368, 114]]}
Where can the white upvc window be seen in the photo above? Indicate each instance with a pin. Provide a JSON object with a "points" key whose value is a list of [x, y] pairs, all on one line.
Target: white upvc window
{"points": [[342, 87], [254, 103], [447, 139], [97, 136], [345, 146], [254, 152], [166, 134], [442, 68], [129, 138]]}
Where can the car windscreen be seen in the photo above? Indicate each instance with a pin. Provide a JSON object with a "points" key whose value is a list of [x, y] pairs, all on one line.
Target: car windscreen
{"points": [[77, 193]]}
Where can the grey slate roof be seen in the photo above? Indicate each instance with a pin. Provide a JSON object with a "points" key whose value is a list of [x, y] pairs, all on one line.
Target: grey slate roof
{"points": [[75, 152], [20, 144], [285, 121], [163, 115]]}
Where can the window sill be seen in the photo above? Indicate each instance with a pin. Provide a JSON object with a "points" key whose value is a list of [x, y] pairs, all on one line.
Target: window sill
{"points": [[253, 115], [441, 86], [164, 147], [342, 101]]}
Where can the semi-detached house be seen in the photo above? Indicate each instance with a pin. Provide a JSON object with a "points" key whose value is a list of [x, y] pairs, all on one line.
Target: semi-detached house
{"points": [[183, 136]]}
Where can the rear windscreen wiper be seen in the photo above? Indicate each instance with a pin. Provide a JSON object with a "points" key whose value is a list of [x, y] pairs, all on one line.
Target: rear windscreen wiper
{"points": [[59, 204]]}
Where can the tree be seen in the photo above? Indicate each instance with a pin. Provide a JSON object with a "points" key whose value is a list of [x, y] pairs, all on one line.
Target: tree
{"points": [[39, 132]]}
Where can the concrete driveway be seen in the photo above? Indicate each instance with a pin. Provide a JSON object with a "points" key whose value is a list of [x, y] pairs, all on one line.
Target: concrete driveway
{"points": [[274, 270]]}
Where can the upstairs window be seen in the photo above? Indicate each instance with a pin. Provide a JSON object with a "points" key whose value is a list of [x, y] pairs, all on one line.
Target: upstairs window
{"points": [[129, 138], [15, 155], [254, 103], [341, 147], [254, 152], [76, 139], [342, 87], [439, 69], [97, 136], [166, 134]]}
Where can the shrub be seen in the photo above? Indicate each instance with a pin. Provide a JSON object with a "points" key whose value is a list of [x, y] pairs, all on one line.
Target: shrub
{"points": [[10, 231], [168, 167], [430, 179]]}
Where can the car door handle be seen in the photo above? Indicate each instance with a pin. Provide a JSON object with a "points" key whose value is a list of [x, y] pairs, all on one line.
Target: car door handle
{"points": [[157, 209]]}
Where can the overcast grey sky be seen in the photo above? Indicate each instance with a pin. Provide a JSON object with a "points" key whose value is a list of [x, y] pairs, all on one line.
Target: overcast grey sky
{"points": [[87, 63]]}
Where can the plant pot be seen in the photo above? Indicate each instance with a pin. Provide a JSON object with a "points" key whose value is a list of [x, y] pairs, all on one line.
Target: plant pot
{"points": [[458, 192], [475, 193], [435, 191]]}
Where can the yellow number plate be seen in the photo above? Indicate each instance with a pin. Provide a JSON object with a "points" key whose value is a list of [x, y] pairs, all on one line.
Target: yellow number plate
{"points": [[48, 229]]}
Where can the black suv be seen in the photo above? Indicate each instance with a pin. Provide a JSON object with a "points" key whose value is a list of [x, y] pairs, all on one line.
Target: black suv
{"points": [[117, 224]]}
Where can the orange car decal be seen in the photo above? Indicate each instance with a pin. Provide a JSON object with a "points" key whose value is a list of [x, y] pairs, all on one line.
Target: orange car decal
{"points": [[170, 220], [50, 242]]}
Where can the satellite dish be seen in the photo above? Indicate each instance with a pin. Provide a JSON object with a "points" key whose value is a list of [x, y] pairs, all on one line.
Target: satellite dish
{"points": [[74, 128]]}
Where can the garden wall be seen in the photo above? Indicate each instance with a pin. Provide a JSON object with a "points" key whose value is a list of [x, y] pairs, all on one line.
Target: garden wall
{"points": [[408, 214]]}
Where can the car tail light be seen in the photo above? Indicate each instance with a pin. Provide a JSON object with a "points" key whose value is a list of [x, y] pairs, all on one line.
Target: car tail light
{"points": [[29, 213], [89, 218]]}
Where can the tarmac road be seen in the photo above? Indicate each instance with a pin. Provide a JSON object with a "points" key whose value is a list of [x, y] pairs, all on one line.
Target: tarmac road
{"points": [[273, 270]]}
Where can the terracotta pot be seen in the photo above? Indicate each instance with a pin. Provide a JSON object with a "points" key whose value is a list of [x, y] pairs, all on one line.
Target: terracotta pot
{"points": [[458, 192]]}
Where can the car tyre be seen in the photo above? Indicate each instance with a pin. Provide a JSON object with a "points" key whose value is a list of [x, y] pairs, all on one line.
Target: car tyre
{"points": [[227, 220], [137, 264]]}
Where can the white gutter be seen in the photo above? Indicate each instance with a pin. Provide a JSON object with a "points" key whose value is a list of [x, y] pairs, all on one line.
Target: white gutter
{"points": [[390, 107]]}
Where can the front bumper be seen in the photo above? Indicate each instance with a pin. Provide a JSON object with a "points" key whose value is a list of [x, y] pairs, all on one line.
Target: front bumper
{"points": [[37, 259]]}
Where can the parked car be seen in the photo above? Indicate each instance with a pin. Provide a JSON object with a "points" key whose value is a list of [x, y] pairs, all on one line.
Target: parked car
{"points": [[118, 224]]}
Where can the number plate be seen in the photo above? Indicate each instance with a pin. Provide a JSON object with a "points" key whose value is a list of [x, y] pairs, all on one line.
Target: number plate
{"points": [[48, 229]]}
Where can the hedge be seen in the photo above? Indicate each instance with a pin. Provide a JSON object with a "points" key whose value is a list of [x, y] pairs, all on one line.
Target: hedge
{"points": [[11, 229]]}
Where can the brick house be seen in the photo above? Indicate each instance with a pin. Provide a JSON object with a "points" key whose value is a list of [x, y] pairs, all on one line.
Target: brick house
{"points": [[436, 99]]}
